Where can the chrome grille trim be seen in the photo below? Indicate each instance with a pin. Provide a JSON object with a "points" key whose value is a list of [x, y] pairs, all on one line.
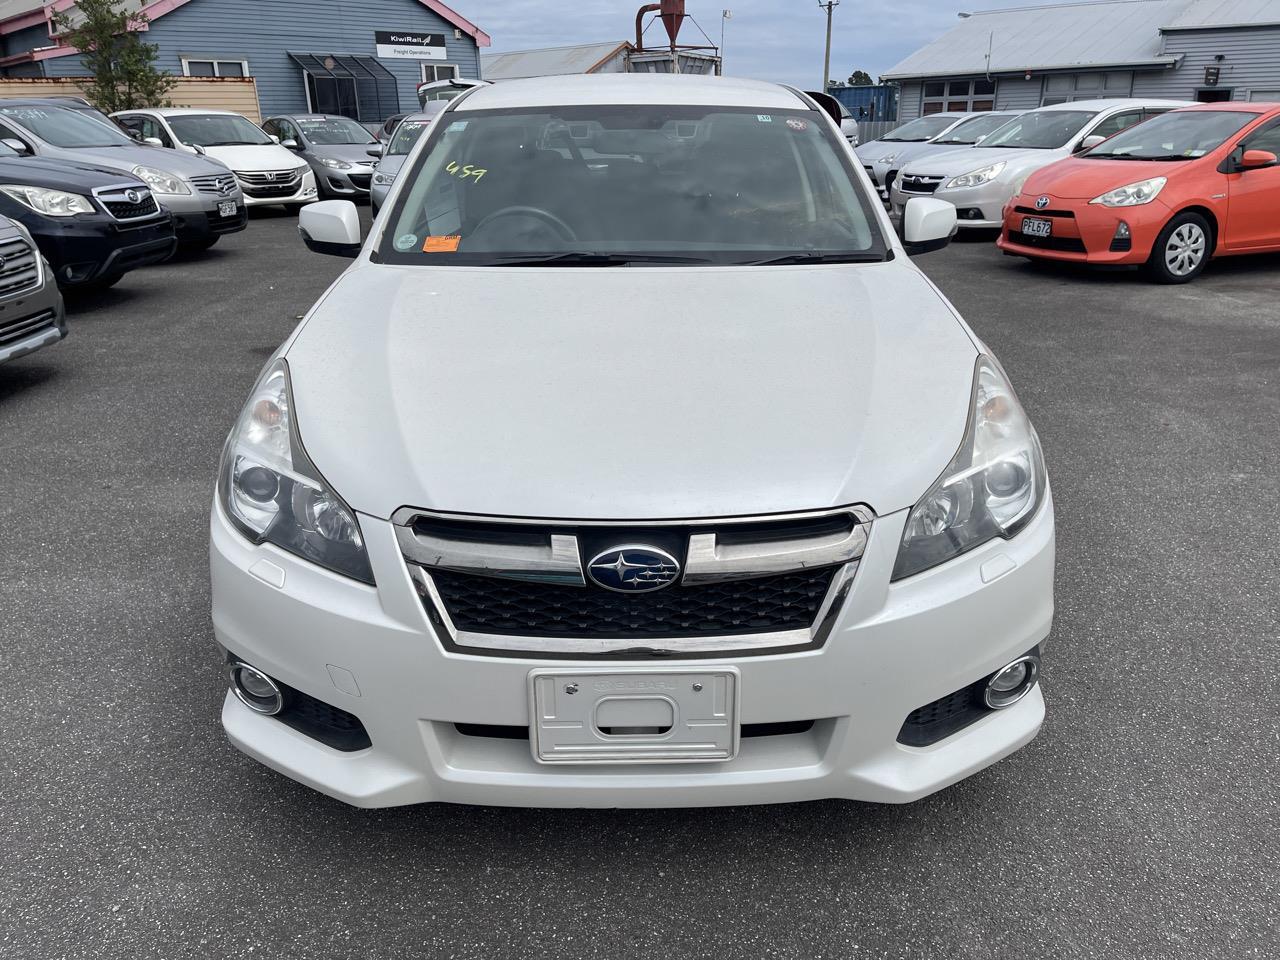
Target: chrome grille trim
{"points": [[21, 269], [268, 178], [118, 195], [218, 184]]}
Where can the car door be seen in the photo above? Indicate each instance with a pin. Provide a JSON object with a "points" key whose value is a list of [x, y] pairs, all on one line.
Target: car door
{"points": [[1253, 196]]}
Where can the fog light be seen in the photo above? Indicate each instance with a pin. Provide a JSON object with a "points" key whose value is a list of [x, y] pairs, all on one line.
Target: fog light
{"points": [[1122, 231], [255, 689], [1012, 682]]}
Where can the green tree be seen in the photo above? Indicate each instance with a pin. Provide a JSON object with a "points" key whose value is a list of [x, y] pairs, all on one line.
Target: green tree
{"points": [[123, 67], [860, 78]]}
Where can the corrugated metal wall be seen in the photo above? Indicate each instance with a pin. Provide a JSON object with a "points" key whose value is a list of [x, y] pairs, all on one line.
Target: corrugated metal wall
{"points": [[262, 32], [909, 102], [1015, 93], [1252, 63]]}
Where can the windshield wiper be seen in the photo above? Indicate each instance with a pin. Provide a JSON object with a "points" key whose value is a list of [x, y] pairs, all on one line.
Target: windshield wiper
{"points": [[574, 258], [1134, 156], [814, 258]]}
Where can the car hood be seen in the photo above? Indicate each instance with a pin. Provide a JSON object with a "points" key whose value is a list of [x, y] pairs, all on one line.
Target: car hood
{"points": [[902, 152], [350, 152], [254, 157], [61, 174], [631, 393], [960, 160], [127, 157], [1080, 179]]}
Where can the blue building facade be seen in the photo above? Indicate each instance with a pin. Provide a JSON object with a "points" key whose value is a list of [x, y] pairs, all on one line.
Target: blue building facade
{"points": [[362, 58]]}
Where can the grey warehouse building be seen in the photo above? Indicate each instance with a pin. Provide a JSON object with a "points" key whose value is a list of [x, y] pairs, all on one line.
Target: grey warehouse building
{"points": [[1027, 57]]}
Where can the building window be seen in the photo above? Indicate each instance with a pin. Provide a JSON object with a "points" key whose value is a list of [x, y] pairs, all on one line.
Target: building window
{"points": [[1066, 87], [959, 96], [192, 67], [439, 71]]}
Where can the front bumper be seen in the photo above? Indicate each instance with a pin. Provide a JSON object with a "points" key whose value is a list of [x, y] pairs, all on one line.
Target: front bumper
{"points": [[83, 249], [32, 320], [1083, 232], [344, 183], [196, 220], [977, 208], [255, 196], [373, 653]]}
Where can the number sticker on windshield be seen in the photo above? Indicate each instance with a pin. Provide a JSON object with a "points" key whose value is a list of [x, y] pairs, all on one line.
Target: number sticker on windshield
{"points": [[464, 170]]}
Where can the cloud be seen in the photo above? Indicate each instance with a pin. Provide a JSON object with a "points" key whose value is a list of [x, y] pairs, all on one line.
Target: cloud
{"points": [[780, 40]]}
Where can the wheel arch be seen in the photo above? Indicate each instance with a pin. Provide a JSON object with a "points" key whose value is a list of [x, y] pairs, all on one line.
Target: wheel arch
{"points": [[1210, 217]]}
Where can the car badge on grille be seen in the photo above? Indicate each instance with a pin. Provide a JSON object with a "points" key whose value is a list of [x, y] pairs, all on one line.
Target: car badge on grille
{"points": [[133, 196], [270, 176], [1041, 202], [633, 569]]}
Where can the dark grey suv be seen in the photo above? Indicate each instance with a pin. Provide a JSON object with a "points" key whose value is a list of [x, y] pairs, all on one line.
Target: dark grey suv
{"points": [[336, 147]]}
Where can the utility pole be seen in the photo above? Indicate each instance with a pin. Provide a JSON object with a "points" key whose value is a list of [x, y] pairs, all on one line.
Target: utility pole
{"points": [[725, 17], [829, 5]]}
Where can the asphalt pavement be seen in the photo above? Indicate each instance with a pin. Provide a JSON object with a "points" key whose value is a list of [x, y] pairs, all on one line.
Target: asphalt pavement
{"points": [[1143, 823]]}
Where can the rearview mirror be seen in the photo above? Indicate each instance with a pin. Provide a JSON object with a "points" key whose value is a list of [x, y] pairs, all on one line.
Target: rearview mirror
{"points": [[331, 227], [375, 150], [16, 145], [1256, 159], [927, 224], [289, 144], [1088, 143]]}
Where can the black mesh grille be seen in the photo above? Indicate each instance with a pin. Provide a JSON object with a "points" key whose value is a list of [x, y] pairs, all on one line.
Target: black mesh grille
{"points": [[360, 180], [517, 608], [323, 721], [1065, 244], [123, 209]]}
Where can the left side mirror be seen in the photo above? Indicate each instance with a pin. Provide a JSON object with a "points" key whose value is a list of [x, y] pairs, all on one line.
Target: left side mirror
{"points": [[927, 224], [274, 139], [375, 150], [289, 144], [16, 145], [153, 141], [331, 227], [1256, 159]]}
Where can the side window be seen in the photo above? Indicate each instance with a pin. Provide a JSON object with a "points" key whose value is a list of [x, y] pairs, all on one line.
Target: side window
{"points": [[288, 131], [271, 129], [153, 128], [1150, 112], [133, 124], [1115, 123], [1266, 138], [8, 133]]}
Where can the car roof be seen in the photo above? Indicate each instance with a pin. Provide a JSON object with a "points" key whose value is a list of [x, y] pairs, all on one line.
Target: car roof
{"points": [[1112, 104], [635, 88], [1236, 106], [183, 111]]}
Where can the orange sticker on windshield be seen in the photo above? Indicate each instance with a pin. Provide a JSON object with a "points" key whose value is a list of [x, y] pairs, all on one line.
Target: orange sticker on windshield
{"points": [[441, 244]]}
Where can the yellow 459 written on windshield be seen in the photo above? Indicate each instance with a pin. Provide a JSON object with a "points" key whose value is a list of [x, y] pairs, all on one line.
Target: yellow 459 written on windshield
{"points": [[463, 171]]}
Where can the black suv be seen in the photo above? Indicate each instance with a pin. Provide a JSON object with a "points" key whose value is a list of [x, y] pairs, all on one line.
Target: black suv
{"points": [[92, 225]]}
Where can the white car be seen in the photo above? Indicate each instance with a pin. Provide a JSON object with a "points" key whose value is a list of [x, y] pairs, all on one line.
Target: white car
{"points": [[632, 463], [267, 172], [924, 136], [981, 179]]}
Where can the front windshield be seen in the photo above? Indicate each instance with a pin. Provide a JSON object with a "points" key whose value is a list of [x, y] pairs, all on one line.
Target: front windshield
{"points": [[1174, 136], [217, 130], [406, 136], [332, 131], [970, 130], [920, 129], [1040, 129], [66, 128], [631, 183]]}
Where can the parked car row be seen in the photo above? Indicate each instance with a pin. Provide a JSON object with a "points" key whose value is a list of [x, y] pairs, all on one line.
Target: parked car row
{"points": [[1162, 184]]}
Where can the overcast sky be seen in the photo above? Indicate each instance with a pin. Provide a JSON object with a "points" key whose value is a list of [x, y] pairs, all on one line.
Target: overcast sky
{"points": [[767, 39]]}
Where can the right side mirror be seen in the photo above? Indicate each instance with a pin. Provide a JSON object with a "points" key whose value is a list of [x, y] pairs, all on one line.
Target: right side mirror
{"points": [[1257, 159], [289, 144], [331, 227], [16, 145], [1088, 143], [274, 139], [153, 141], [376, 150], [928, 224]]}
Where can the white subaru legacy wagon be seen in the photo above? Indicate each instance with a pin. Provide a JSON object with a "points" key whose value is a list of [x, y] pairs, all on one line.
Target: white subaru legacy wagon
{"points": [[631, 463]]}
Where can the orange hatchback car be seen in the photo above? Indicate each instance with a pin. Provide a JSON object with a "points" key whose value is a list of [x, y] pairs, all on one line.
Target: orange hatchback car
{"points": [[1168, 194]]}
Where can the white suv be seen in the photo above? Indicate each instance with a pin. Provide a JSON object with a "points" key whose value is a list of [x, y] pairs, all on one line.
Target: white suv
{"points": [[631, 463]]}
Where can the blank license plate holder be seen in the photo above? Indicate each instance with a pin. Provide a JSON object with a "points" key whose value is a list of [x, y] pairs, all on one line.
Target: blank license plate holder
{"points": [[633, 715]]}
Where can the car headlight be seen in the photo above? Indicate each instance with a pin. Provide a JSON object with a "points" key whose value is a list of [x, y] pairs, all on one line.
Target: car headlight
{"points": [[161, 181], [1132, 195], [273, 493], [976, 178], [334, 163], [51, 203], [991, 488], [384, 178]]}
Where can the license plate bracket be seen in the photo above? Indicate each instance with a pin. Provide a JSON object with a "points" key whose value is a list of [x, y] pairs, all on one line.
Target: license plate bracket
{"points": [[227, 208], [633, 715], [1037, 227]]}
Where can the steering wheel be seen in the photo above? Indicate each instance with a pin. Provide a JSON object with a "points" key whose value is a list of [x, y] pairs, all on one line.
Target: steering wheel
{"points": [[549, 219]]}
